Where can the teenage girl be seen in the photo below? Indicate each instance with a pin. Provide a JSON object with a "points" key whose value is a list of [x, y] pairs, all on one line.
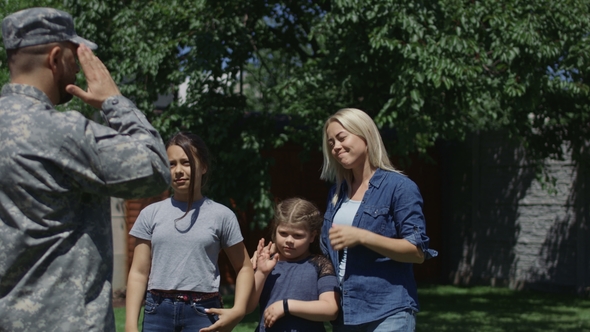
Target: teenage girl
{"points": [[296, 288], [177, 245]]}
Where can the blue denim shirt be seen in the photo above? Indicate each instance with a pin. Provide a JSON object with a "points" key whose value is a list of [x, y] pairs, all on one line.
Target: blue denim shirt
{"points": [[374, 286]]}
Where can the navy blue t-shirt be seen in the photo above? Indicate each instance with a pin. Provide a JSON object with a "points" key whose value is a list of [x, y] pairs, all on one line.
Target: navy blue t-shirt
{"points": [[304, 280]]}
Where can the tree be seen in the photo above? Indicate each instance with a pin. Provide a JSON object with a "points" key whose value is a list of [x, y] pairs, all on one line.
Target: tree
{"points": [[442, 69], [425, 70]]}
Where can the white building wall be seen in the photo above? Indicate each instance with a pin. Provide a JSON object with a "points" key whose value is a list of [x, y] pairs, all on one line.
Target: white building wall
{"points": [[119, 244]]}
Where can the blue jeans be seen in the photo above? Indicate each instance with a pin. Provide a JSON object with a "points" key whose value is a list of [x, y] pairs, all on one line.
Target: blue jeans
{"points": [[172, 315], [403, 321]]}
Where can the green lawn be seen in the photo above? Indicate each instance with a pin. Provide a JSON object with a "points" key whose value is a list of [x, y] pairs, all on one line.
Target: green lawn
{"points": [[488, 309], [485, 309]]}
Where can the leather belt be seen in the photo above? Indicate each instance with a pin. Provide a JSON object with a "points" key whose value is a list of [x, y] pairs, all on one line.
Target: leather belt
{"points": [[184, 296]]}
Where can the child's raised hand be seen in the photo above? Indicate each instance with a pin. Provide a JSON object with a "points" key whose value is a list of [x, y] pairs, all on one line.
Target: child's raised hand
{"points": [[265, 260], [254, 258]]}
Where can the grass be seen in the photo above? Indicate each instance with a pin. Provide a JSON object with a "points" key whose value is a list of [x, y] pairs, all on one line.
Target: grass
{"points": [[485, 309], [489, 309]]}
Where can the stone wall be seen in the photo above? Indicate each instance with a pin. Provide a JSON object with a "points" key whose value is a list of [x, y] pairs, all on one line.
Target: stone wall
{"points": [[505, 226]]}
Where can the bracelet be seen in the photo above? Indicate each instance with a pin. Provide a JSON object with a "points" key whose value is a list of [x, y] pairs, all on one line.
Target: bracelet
{"points": [[286, 307]]}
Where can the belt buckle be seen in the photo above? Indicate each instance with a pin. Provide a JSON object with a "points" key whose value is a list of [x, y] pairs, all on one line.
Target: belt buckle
{"points": [[182, 297]]}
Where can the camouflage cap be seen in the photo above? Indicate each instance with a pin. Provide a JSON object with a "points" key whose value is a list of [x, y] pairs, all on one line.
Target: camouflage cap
{"points": [[36, 26]]}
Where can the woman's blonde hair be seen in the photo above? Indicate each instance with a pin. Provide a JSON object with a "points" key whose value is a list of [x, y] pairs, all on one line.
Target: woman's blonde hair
{"points": [[360, 124], [297, 211]]}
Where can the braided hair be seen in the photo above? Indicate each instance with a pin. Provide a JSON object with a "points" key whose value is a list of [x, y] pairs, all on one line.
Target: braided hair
{"points": [[298, 211]]}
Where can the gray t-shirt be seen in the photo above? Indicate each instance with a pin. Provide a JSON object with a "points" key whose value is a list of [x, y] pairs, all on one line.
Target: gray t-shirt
{"points": [[185, 251]]}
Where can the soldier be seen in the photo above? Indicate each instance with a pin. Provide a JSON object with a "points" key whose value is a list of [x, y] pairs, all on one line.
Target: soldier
{"points": [[58, 170]]}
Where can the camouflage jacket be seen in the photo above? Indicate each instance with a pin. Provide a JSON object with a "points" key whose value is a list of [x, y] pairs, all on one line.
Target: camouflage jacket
{"points": [[57, 171]]}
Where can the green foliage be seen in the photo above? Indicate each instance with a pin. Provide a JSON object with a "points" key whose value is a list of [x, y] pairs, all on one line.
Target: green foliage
{"points": [[154, 48], [262, 73], [442, 69]]}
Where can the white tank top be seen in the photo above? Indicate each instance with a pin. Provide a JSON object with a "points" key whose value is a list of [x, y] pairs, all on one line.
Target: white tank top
{"points": [[345, 216]]}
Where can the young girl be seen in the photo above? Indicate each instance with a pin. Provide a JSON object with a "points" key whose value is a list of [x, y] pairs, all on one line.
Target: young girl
{"points": [[176, 249], [296, 287]]}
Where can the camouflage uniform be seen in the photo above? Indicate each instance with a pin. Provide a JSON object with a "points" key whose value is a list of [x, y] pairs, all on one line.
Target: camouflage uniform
{"points": [[57, 171]]}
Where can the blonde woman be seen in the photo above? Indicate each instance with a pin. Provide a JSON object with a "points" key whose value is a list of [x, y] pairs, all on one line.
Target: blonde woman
{"points": [[373, 229]]}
